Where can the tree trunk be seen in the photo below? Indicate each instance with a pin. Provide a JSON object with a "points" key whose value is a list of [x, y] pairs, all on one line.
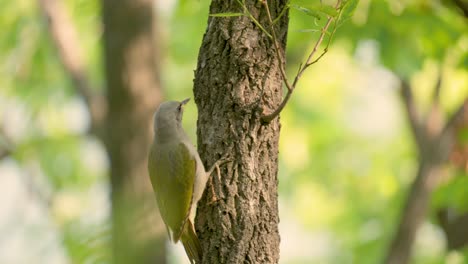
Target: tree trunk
{"points": [[238, 77], [132, 95]]}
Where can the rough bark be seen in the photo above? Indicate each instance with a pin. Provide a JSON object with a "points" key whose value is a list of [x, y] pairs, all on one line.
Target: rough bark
{"points": [[237, 77], [132, 95]]}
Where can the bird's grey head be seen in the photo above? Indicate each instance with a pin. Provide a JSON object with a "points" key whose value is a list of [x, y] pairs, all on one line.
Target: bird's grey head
{"points": [[168, 118]]}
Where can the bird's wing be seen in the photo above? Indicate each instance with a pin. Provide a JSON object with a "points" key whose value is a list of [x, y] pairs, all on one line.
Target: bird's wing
{"points": [[172, 174]]}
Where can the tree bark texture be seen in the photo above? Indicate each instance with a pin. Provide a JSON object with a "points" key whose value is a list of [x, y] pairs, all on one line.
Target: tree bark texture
{"points": [[238, 77], [132, 96]]}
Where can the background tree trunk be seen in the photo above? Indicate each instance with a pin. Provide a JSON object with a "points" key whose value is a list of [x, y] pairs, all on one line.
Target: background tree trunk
{"points": [[435, 142], [132, 95], [414, 212], [237, 76]]}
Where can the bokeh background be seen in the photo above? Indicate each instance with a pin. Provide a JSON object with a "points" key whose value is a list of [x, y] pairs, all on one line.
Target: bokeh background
{"points": [[347, 155]]}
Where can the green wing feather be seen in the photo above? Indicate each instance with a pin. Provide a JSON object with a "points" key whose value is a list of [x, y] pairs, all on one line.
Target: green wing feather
{"points": [[172, 172]]}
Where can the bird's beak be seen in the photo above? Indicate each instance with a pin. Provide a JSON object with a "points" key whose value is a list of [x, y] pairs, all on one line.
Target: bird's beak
{"points": [[185, 101]]}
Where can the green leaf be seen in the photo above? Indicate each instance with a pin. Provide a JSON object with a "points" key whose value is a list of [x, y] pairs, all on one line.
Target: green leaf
{"points": [[348, 9], [329, 10], [452, 194], [307, 11], [227, 14]]}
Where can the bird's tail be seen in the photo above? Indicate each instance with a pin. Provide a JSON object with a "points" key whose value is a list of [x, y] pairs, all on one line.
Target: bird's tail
{"points": [[191, 243]]}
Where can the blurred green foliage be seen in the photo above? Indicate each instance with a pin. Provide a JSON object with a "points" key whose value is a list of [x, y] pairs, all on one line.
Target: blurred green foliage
{"points": [[346, 155], [45, 122]]}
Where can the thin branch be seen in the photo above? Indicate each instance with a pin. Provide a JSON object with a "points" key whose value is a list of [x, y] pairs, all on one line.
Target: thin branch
{"points": [[317, 44], [285, 8], [457, 117], [246, 11], [65, 38], [290, 87], [268, 118], [414, 117], [437, 88], [434, 123], [325, 50], [277, 49]]}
